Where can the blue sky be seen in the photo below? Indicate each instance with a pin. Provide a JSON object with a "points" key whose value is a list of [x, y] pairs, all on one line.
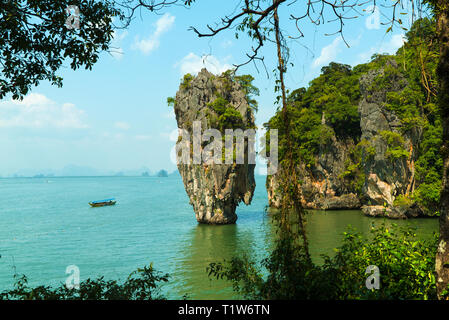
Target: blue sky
{"points": [[115, 117]]}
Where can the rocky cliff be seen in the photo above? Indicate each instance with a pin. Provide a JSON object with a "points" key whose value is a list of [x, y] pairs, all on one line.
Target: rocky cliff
{"points": [[218, 102], [373, 170], [388, 174], [321, 186]]}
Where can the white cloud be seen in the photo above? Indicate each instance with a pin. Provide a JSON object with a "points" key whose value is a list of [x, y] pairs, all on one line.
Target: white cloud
{"points": [[122, 125], [226, 44], [372, 21], [390, 47], [328, 53], [38, 111], [116, 49], [118, 136], [142, 137], [193, 64], [171, 135], [152, 42], [169, 115], [394, 44]]}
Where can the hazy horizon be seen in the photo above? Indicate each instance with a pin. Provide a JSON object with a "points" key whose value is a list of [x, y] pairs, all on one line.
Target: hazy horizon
{"points": [[72, 170]]}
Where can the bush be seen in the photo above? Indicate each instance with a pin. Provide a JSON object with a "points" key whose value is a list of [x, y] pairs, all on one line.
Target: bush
{"points": [[395, 144], [406, 264], [141, 284], [428, 195], [406, 269], [227, 116], [185, 84], [403, 201]]}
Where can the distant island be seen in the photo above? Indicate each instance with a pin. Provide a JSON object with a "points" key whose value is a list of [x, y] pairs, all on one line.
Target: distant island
{"points": [[85, 171], [162, 173], [43, 175]]}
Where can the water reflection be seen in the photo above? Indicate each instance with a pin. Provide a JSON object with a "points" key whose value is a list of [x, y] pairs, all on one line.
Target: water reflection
{"points": [[325, 228], [206, 244]]}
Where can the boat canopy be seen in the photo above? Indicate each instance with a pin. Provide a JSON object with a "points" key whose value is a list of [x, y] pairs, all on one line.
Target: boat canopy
{"points": [[105, 200]]}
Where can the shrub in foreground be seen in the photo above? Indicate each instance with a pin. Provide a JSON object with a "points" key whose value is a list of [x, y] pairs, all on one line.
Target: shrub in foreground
{"points": [[406, 266], [142, 284]]}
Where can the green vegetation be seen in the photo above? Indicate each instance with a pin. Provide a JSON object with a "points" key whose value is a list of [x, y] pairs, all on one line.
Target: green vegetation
{"points": [[334, 96], [402, 201], [219, 105], [227, 116], [246, 82], [228, 78], [353, 174], [417, 108], [406, 267], [224, 115], [429, 167], [142, 284], [328, 109], [171, 101], [406, 264], [185, 84], [395, 144], [35, 41]]}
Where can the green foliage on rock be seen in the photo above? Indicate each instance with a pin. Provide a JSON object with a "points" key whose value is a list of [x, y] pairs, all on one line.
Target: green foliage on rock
{"points": [[428, 195], [395, 144], [353, 173], [219, 105], [402, 201], [227, 116], [171, 101], [185, 83], [406, 81], [334, 96], [246, 84], [418, 108], [429, 168], [231, 119]]}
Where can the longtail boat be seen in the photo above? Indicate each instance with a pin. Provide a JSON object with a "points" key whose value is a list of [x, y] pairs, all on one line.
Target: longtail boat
{"points": [[102, 203]]}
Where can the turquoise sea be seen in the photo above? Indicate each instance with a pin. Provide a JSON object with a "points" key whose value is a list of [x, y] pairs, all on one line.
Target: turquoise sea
{"points": [[46, 225]]}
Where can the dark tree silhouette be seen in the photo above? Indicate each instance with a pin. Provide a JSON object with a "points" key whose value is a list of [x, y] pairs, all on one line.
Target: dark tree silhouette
{"points": [[36, 37]]}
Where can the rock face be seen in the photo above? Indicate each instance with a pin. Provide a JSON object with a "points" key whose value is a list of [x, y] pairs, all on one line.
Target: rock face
{"points": [[321, 186], [214, 190], [385, 176]]}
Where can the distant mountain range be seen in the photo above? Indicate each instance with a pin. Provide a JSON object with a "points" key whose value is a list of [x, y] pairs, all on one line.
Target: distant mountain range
{"points": [[85, 171]]}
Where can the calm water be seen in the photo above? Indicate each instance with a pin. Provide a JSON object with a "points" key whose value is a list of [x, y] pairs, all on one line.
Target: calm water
{"points": [[47, 224]]}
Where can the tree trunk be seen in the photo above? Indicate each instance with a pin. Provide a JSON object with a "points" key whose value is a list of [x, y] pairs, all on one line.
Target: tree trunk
{"points": [[442, 257]]}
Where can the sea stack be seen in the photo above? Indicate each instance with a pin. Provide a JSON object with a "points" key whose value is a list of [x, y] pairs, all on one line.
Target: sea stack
{"points": [[214, 102]]}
